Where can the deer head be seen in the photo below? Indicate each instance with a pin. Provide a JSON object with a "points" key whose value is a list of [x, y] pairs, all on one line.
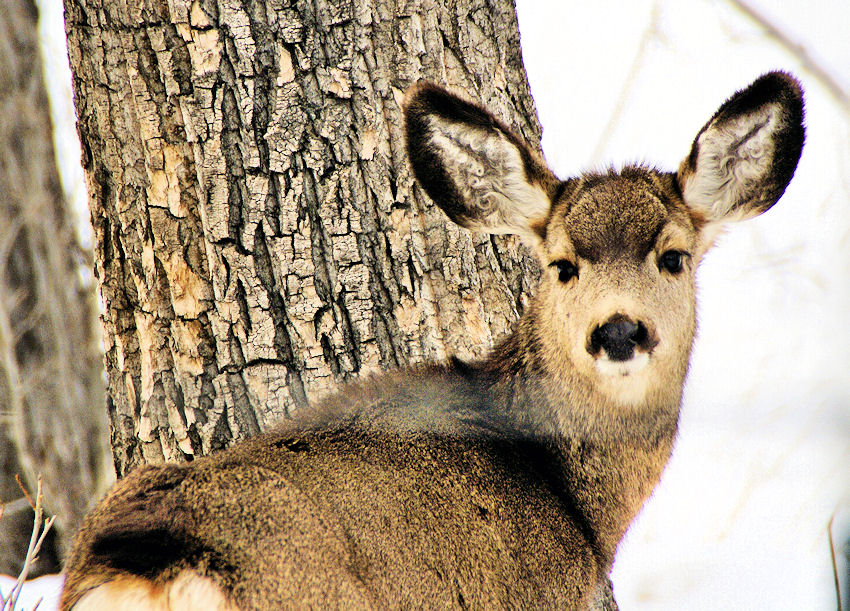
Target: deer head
{"points": [[614, 316]]}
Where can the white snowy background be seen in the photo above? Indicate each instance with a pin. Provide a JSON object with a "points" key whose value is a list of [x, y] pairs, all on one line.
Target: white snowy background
{"points": [[763, 457], [740, 520]]}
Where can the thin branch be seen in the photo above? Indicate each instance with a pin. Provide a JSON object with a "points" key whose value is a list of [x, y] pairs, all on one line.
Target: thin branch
{"points": [[810, 64], [40, 528], [649, 34], [839, 606], [8, 364], [26, 493]]}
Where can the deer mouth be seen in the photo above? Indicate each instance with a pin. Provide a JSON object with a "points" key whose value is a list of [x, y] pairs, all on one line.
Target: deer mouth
{"points": [[618, 368]]}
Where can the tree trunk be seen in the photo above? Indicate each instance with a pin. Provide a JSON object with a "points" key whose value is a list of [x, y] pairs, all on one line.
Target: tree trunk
{"points": [[259, 236], [51, 369]]}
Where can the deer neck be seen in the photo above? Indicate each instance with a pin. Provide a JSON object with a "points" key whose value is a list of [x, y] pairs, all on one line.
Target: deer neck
{"points": [[611, 457]]}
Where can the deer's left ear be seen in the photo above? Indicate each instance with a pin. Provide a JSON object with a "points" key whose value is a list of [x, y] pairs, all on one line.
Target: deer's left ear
{"points": [[745, 156]]}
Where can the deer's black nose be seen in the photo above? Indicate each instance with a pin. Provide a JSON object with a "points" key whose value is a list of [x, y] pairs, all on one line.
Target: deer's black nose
{"points": [[618, 337]]}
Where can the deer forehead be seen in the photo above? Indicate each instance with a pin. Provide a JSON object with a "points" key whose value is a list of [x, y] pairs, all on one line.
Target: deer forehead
{"points": [[618, 215]]}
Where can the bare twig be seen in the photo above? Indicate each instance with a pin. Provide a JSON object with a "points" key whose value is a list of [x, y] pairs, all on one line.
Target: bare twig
{"points": [[40, 528], [839, 606], [810, 64], [26, 493], [649, 34], [8, 365]]}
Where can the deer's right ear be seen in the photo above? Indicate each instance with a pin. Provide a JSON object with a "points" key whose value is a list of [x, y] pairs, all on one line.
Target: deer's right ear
{"points": [[482, 175]]}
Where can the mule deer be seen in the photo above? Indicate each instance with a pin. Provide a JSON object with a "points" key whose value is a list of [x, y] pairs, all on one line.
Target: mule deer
{"points": [[502, 483]]}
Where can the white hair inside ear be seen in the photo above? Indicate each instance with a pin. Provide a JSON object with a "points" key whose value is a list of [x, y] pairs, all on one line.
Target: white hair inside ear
{"points": [[490, 176], [734, 158]]}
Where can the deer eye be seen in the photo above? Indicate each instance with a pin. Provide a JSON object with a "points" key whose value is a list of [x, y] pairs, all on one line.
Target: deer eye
{"points": [[566, 270], [672, 261]]}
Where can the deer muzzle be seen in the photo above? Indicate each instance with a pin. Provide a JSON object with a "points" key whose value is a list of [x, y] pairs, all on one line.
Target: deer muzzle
{"points": [[619, 337]]}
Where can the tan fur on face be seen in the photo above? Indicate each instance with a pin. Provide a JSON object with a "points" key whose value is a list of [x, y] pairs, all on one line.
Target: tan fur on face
{"points": [[614, 228]]}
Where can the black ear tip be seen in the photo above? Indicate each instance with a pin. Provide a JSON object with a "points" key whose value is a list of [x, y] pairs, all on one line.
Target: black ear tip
{"points": [[421, 99], [776, 87], [426, 96], [790, 89], [417, 91], [781, 80], [785, 89]]}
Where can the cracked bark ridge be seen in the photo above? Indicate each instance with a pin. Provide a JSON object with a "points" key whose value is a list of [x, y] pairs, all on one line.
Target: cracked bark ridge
{"points": [[259, 234], [51, 370]]}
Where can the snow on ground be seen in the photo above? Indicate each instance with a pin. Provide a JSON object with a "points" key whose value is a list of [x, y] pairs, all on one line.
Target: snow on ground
{"points": [[761, 465], [42, 593]]}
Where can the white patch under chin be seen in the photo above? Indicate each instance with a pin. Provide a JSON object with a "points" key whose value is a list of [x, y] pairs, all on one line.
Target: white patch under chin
{"points": [[732, 159], [488, 171], [621, 379]]}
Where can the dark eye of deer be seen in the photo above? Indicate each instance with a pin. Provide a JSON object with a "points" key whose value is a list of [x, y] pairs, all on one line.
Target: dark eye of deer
{"points": [[671, 261], [566, 270]]}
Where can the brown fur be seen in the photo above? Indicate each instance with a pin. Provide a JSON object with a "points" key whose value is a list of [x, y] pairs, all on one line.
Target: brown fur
{"points": [[504, 483]]}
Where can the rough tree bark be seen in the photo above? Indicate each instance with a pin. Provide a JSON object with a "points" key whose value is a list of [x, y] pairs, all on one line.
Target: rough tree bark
{"points": [[259, 236], [51, 369]]}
